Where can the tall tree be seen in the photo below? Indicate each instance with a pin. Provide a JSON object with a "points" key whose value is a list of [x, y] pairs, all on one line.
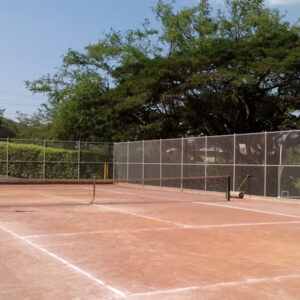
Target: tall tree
{"points": [[197, 74], [8, 128]]}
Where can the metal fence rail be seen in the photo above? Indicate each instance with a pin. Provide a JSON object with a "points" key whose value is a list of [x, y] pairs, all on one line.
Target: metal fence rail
{"points": [[273, 158]]}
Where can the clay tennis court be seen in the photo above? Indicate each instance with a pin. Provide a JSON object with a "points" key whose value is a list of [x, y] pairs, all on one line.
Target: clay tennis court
{"points": [[145, 243]]}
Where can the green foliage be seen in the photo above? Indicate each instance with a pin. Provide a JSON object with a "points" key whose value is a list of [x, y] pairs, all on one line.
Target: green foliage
{"points": [[27, 161], [34, 127], [201, 73], [23, 152], [8, 128]]}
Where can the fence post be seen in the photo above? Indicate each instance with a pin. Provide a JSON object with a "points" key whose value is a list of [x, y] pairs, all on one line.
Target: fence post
{"points": [[205, 165], [234, 161], [181, 166], [265, 169], [143, 164], [279, 172], [160, 165], [78, 166], [127, 175], [7, 141], [113, 166], [44, 161]]}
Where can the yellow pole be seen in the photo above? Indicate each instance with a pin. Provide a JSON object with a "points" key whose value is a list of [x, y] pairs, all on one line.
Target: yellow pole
{"points": [[105, 171]]}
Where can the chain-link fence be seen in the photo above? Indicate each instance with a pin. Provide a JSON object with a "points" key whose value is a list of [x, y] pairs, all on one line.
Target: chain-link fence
{"points": [[45, 159], [271, 158]]}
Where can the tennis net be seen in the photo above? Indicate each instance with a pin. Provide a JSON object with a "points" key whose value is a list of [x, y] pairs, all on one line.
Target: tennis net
{"points": [[218, 185]]}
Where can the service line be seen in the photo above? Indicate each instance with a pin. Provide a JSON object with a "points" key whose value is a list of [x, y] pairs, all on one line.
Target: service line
{"points": [[98, 232], [213, 226], [145, 217]]}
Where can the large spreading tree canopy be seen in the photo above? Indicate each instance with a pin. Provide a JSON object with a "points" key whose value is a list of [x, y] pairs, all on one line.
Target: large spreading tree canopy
{"points": [[198, 72]]}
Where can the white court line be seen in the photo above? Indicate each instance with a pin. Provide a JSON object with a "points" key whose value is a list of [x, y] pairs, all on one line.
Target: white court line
{"points": [[248, 209], [97, 232], [63, 197], [145, 217], [159, 229], [244, 224], [212, 204], [216, 285], [65, 262], [144, 196]]}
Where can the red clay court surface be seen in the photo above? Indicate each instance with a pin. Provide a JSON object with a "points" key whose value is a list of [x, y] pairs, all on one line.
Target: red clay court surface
{"points": [[205, 248]]}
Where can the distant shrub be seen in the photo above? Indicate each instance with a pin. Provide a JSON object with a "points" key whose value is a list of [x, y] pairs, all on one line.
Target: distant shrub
{"points": [[27, 161]]}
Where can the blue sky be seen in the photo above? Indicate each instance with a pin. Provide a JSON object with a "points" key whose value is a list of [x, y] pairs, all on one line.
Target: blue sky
{"points": [[35, 34]]}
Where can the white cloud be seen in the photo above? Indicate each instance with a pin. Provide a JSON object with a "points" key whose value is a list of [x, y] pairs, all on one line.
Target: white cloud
{"points": [[283, 2]]}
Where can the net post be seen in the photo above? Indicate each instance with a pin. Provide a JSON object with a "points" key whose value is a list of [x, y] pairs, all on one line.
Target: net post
{"points": [[44, 161], [78, 165], [181, 166], [228, 188], [7, 162]]}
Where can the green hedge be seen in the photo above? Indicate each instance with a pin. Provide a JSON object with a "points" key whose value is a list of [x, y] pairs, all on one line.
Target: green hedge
{"points": [[27, 161]]}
